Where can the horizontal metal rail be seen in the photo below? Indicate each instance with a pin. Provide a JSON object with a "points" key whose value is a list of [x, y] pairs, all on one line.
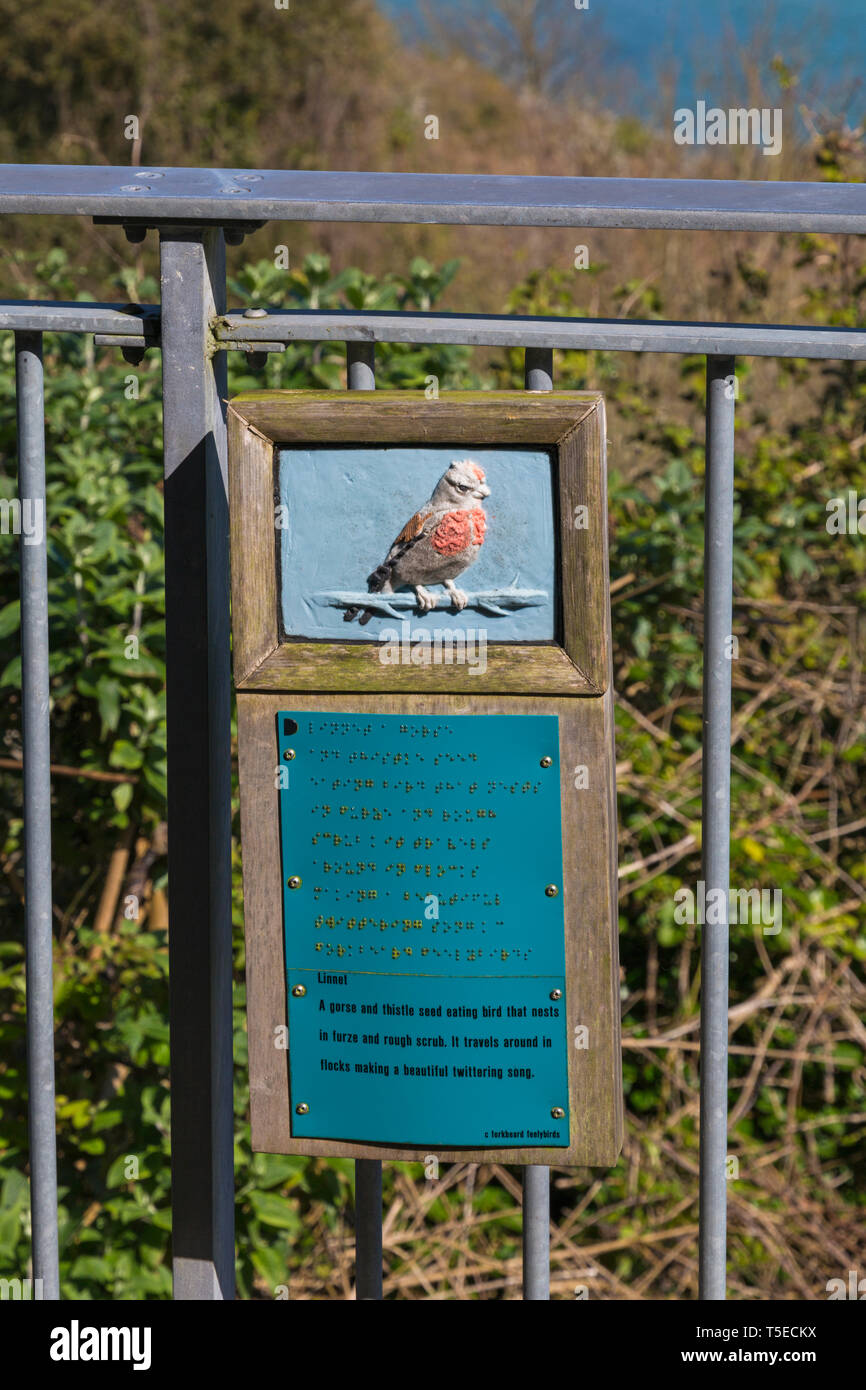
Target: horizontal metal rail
{"points": [[56, 316], [139, 325], [490, 330], [227, 195]]}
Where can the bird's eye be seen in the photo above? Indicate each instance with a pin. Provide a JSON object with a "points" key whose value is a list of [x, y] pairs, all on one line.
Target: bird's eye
{"points": [[462, 487]]}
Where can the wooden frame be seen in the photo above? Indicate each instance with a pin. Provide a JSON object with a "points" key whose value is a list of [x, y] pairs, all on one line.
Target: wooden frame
{"points": [[571, 679], [569, 424]]}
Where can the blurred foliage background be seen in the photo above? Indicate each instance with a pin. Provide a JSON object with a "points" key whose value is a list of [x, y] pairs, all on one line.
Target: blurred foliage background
{"points": [[230, 87]]}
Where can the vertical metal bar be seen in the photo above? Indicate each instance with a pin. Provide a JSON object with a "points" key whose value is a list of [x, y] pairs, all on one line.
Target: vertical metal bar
{"points": [[368, 1229], [198, 693], [538, 369], [536, 1234], [361, 376], [39, 955], [361, 366], [538, 372], [716, 813]]}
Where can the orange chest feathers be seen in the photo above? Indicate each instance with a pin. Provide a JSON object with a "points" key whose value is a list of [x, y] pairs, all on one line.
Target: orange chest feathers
{"points": [[459, 530]]}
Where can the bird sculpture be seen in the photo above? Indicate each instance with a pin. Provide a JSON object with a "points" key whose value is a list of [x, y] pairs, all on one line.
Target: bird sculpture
{"points": [[438, 543]]}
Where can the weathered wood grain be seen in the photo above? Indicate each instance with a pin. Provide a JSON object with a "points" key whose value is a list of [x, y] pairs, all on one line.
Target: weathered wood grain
{"points": [[404, 417], [356, 666], [583, 546], [255, 630]]}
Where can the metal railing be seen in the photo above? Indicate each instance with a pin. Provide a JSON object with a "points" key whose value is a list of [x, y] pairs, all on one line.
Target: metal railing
{"points": [[196, 211]]}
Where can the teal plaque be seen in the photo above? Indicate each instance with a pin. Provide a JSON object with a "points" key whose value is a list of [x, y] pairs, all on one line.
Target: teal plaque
{"points": [[424, 929]]}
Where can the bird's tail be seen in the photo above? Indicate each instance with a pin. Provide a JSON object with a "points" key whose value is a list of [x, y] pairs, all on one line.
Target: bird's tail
{"points": [[379, 578]]}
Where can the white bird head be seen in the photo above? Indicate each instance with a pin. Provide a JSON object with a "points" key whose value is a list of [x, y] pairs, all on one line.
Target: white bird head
{"points": [[462, 483]]}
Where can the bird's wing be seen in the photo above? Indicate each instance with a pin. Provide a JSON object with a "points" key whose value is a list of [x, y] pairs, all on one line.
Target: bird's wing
{"points": [[412, 532], [410, 535]]}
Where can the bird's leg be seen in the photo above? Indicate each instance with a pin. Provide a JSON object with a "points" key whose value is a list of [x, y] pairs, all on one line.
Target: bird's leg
{"points": [[426, 601], [458, 598]]}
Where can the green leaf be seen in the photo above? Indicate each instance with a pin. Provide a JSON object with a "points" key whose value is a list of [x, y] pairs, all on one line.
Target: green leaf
{"points": [[108, 698], [10, 1233], [15, 1191], [10, 618], [124, 754], [12, 673], [271, 1265], [273, 1210], [121, 795]]}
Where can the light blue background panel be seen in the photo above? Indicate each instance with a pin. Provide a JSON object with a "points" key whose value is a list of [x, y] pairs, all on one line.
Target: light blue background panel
{"points": [[342, 508], [423, 847]]}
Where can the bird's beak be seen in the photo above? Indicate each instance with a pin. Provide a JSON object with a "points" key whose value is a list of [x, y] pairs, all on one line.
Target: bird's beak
{"points": [[483, 490]]}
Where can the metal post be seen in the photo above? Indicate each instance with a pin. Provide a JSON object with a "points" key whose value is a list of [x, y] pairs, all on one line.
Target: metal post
{"points": [[39, 955], [536, 1234], [368, 1229], [538, 370], [716, 813], [361, 366], [361, 376], [198, 693]]}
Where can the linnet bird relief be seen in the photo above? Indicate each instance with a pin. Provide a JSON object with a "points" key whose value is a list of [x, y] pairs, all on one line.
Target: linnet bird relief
{"points": [[441, 540]]}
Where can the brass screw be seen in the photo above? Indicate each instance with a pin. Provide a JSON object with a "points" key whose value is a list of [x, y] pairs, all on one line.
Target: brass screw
{"points": [[289, 755], [299, 991], [546, 761], [556, 994], [302, 1109], [557, 1113], [551, 890], [294, 881]]}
